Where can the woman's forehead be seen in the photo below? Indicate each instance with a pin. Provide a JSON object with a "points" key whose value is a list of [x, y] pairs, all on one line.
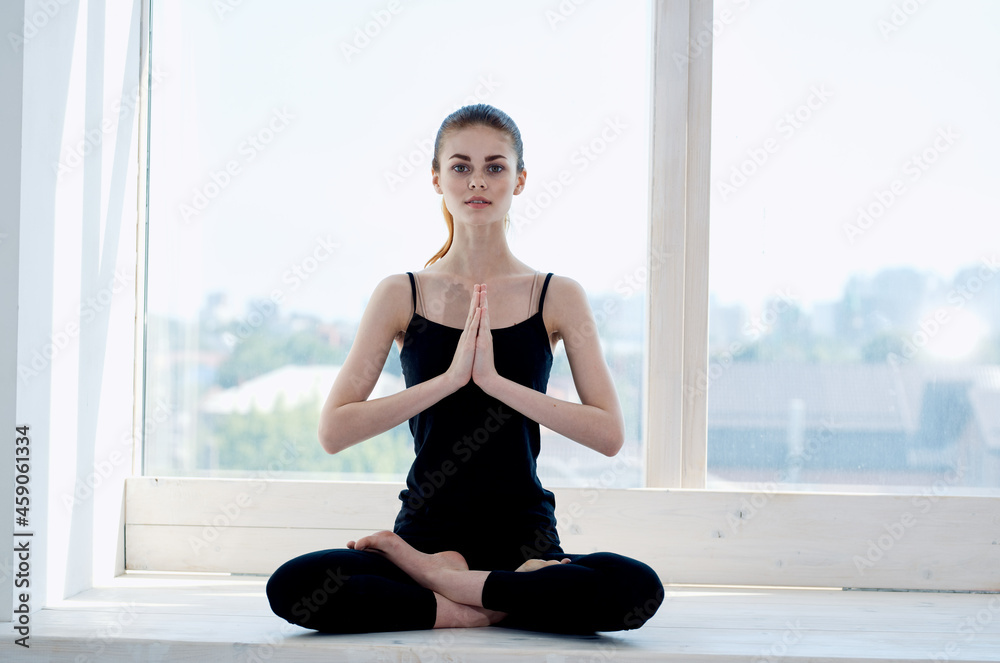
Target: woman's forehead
{"points": [[477, 140]]}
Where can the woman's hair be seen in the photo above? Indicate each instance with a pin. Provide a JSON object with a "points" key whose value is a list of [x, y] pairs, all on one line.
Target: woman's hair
{"points": [[473, 116]]}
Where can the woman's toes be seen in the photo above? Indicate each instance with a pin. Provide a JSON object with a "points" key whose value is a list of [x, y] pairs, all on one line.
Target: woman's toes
{"points": [[377, 542], [535, 564]]}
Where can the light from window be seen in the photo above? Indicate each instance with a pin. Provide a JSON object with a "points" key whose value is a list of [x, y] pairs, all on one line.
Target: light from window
{"points": [[290, 172], [855, 268]]}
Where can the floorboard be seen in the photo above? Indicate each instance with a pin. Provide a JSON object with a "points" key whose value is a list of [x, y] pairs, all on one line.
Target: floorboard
{"points": [[226, 619]]}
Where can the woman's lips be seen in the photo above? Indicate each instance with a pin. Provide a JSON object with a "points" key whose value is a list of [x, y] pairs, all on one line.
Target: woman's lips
{"points": [[477, 203]]}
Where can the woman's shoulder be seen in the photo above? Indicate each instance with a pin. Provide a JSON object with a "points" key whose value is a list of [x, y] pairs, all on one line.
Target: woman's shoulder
{"points": [[392, 298], [563, 288], [393, 284], [565, 306]]}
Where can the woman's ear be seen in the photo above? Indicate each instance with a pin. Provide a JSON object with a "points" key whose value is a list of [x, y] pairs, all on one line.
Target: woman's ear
{"points": [[434, 181], [521, 177]]}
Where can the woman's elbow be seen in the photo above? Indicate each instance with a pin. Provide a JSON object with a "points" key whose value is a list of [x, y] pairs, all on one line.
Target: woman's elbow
{"points": [[327, 442], [613, 447], [327, 433], [615, 440]]}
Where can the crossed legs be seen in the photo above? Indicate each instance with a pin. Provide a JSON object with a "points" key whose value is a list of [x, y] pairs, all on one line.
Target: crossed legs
{"points": [[458, 590], [381, 583]]}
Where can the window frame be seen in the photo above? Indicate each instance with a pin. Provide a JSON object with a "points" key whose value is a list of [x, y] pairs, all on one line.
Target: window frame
{"points": [[674, 416], [677, 292]]}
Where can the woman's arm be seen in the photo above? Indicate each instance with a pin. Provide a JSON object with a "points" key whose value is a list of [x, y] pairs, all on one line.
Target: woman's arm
{"points": [[348, 417], [596, 422]]}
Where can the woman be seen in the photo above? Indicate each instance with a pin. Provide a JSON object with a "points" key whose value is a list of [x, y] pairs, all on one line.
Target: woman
{"points": [[475, 540]]}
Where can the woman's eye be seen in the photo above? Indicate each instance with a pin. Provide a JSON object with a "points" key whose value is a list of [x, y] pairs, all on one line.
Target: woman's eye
{"points": [[499, 168], [460, 167]]}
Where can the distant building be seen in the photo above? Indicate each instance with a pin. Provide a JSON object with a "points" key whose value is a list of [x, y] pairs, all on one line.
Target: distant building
{"points": [[290, 385], [871, 424]]}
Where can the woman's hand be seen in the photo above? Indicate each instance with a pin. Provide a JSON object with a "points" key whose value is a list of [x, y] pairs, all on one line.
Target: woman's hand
{"points": [[460, 371], [483, 368]]}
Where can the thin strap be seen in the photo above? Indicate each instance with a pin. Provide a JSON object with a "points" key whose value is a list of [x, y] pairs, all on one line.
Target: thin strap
{"points": [[531, 298], [413, 292], [420, 295], [545, 286]]}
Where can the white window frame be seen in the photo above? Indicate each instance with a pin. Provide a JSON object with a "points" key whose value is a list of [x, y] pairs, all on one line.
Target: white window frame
{"points": [[789, 543], [677, 266]]}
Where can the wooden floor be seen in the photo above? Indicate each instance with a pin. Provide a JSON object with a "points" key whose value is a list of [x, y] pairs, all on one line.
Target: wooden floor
{"points": [[166, 617]]}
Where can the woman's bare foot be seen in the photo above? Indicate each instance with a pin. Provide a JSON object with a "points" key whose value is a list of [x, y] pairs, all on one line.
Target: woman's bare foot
{"points": [[426, 569], [458, 615], [535, 564]]}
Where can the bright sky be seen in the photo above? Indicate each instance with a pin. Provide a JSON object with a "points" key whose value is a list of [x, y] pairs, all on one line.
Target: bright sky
{"points": [[332, 122], [885, 88]]}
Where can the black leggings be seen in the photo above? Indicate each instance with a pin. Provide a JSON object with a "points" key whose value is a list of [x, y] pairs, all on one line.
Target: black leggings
{"points": [[352, 591]]}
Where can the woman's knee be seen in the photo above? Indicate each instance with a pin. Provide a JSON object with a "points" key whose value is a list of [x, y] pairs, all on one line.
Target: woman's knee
{"points": [[304, 586], [635, 588], [646, 596], [644, 605]]}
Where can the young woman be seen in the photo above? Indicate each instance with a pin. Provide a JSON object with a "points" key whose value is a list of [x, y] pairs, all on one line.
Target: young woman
{"points": [[475, 540]]}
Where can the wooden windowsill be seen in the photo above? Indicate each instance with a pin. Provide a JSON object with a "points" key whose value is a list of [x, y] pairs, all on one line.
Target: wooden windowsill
{"points": [[168, 617], [694, 537]]}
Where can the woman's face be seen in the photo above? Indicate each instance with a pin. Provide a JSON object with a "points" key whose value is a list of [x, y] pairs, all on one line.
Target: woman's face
{"points": [[478, 175]]}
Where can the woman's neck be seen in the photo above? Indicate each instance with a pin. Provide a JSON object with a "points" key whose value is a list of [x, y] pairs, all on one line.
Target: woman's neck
{"points": [[479, 253]]}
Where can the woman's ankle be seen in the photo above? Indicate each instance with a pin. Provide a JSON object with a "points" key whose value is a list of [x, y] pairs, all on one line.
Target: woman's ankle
{"points": [[458, 615]]}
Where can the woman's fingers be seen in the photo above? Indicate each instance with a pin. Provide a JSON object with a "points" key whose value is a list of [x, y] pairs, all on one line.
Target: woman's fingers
{"points": [[464, 360], [472, 328], [474, 303], [484, 320]]}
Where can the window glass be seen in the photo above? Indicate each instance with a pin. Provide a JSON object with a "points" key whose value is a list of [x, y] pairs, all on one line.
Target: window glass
{"points": [[854, 278], [290, 172]]}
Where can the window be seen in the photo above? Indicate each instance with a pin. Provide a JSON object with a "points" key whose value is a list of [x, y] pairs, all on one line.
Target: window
{"points": [[855, 284], [677, 368], [289, 158]]}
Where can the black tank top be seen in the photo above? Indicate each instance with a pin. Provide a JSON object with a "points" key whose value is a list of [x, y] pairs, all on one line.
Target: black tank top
{"points": [[473, 485]]}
